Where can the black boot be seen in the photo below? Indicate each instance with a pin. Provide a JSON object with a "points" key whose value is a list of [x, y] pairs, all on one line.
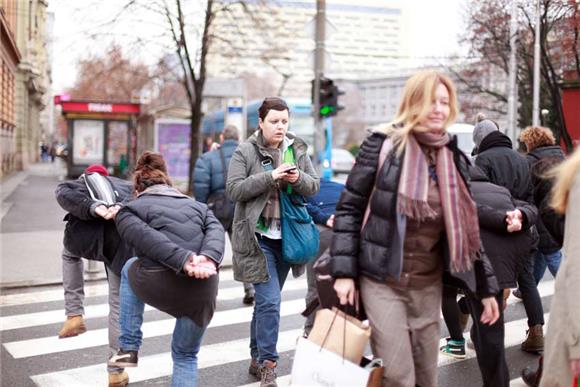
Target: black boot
{"points": [[531, 377]]}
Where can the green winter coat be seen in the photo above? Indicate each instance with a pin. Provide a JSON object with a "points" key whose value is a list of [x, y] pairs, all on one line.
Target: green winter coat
{"points": [[249, 185]]}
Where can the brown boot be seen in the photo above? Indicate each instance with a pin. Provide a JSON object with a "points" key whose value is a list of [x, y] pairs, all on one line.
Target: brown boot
{"points": [[118, 379], [268, 373], [73, 326], [535, 341]]}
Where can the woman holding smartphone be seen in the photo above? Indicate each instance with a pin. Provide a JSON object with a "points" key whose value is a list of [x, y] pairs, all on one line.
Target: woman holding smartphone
{"points": [[270, 161]]}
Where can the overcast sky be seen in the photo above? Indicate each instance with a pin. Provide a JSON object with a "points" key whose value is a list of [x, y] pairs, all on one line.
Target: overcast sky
{"points": [[433, 32]]}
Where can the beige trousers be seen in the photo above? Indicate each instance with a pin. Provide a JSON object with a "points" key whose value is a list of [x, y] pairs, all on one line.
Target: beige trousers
{"points": [[405, 331]]}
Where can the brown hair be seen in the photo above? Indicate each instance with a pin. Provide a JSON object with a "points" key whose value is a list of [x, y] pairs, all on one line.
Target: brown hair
{"points": [[566, 174], [151, 169], [272, 103], [537, 136]]}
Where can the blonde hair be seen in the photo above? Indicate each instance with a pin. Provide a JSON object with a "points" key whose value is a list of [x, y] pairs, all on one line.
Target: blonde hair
{"points": [[415, 105], [537, 136], [565, 174]]}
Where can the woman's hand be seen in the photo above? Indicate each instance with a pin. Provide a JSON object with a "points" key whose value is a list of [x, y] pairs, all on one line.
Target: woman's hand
{"points": [[575, 368], [282, 172], [344, 288], [490, 312]]}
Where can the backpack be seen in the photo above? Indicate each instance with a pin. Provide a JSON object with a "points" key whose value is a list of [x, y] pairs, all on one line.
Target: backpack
{"points": [[219, 203]]}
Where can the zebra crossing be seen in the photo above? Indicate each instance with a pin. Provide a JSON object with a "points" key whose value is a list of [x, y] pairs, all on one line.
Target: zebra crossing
{"points": [[33, 355]]}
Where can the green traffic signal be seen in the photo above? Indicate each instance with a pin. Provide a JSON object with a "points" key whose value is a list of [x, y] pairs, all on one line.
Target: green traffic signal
{"points": [[326, 110]]}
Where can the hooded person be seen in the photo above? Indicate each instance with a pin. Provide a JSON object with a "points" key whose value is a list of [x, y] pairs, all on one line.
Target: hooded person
{"points": [[505, 167], [91, 201]]}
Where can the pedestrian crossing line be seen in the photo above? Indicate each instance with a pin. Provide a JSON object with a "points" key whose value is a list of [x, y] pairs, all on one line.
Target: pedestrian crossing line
{"points": [[49, 295], [518, 383], [94, 338], [91, 290], [284, 381], [102, 310], [160, 365], [514, 335]]}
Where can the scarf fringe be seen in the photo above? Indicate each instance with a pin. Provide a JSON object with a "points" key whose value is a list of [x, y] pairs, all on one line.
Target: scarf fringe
{"points": [[414, 209]]}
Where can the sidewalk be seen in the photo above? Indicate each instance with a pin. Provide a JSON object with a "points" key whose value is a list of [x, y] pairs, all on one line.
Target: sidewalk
{"points": [[32, 229]]}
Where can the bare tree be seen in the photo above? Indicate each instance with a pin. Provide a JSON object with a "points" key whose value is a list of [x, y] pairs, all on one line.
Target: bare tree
{"points": [[488, 38]]}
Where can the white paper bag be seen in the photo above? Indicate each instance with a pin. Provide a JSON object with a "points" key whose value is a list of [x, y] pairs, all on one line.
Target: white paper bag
{"points": [[314, 366]]}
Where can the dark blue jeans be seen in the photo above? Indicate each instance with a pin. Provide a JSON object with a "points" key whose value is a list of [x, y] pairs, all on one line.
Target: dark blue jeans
{"points": [[546, 260], [186, 339], [265, 324]]}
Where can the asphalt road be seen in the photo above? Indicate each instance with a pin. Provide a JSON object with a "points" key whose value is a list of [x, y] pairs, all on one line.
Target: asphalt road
{"points": [[31, 353]]}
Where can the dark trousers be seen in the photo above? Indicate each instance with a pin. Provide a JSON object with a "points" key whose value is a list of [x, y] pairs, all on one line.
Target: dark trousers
{"points": [[529, 290], [450, 310], [312, 293], [488, 341]]}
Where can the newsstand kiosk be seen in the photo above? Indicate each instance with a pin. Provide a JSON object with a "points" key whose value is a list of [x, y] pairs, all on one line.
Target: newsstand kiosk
{"points": [[100, 133]]}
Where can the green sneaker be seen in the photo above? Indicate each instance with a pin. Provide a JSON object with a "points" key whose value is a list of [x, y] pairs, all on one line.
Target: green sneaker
{"points": [[454, 349]]}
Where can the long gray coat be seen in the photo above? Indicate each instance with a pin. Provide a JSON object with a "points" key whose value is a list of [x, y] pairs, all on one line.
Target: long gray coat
{"points": [[563, 336], [249, 185]]}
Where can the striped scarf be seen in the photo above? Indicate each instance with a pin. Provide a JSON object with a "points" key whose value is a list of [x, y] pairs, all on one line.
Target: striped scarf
{"points": [[459, 209]]}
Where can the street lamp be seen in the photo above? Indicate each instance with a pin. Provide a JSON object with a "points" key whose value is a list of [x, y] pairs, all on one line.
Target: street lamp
{"points": [[544, 113]]}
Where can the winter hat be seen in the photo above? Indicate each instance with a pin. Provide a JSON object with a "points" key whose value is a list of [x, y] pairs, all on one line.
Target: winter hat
{"points": [[97, 168], [482, 128]]}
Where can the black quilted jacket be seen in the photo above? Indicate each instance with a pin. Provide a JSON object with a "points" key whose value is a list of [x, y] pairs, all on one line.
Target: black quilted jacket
{"points": [[377, 251]]}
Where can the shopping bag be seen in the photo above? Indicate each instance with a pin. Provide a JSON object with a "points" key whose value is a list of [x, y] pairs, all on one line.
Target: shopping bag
{"points": [[340, 333], [315, 366]]}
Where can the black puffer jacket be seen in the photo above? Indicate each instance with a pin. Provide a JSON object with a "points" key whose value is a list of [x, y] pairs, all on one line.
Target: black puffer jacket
{"points": [[376, 252], [541, 160], [504, 166], [90, 236], [165, 227], [504, 249]]}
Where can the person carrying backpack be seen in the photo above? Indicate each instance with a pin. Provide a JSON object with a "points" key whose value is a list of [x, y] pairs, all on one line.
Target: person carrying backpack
{"points": [[210, 175]]}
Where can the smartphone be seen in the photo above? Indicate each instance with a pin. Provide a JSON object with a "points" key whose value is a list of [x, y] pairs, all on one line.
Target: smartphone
{"points": [[291, 169]]}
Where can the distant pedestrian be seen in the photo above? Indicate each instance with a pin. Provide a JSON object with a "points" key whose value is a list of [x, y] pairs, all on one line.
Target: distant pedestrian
{"points": [[419, 232], [272, 160], [210, 175], [91, 202], [321, 207], [562, 350], [179, 246], [543, 154], [505, 167]]}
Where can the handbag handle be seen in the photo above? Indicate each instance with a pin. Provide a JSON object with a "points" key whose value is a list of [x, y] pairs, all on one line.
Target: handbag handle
{"points": [[343, 333]]}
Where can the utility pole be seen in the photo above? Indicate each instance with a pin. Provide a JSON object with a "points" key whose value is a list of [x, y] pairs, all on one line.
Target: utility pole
{"points": [[512, 100], [319, 53], [536, 103]]}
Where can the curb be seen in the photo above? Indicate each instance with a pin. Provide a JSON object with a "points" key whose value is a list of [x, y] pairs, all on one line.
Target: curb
{"points": [[48, 282]]}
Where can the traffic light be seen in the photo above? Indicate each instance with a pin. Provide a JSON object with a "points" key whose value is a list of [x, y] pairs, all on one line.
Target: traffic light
{"points": [[328, 98]]}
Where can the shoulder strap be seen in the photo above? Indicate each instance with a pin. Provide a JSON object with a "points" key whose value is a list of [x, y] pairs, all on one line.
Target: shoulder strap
{"points": [[224, 169], [266, 162]]}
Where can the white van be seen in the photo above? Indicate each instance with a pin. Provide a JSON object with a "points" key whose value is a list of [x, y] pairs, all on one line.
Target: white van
{"points": [[464, 133]]}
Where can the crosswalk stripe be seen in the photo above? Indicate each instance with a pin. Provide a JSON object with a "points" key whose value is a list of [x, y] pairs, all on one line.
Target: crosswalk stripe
{"points": [[91, 290], [156, 366], [93, 338], [101, 310]]}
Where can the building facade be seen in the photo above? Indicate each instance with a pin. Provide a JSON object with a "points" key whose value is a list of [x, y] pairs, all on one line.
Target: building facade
{"points": [[9, 60], [275, 39], [32, 79]]}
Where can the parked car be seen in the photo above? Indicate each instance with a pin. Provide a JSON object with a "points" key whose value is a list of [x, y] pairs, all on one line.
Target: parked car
{"points": [[464, 133], [341, 161]]}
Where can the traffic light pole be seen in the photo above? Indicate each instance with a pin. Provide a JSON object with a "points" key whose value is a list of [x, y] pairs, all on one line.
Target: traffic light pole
{"points": [[318, 74]]}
